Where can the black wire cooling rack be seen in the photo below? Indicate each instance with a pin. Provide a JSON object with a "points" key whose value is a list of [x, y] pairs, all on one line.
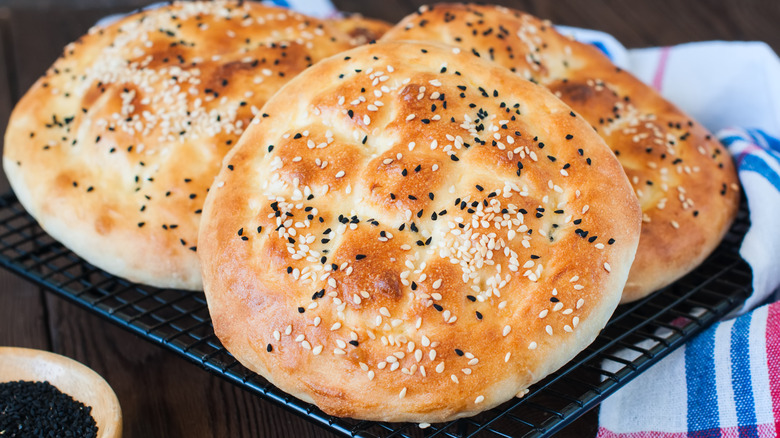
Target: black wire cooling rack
{"points": [[637, 336]]}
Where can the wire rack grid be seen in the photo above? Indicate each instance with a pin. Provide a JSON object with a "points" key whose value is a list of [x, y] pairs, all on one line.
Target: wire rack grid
{"points": [[637, 336]]}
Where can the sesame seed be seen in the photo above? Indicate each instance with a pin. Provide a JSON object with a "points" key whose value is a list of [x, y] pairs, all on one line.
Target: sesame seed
{"points": [[402, 394], [479, 399], [532, 345], [607, 267], [507, 329]]}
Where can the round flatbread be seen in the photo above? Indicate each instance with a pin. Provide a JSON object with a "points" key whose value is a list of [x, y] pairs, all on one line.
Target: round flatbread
{"points": [[684, 178], [414, 234], [114, 148]]}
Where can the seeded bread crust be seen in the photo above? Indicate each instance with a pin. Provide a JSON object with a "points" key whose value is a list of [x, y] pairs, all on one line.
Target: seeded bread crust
{"points": [[114, 148], [414, 236], [684, 178]]}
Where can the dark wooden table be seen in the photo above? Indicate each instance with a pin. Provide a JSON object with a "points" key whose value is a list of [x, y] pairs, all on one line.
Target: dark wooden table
{"points": [[164, 396]]}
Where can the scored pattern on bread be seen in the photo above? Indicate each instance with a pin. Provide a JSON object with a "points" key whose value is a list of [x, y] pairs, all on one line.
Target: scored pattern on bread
{"points": [[413, 234], [684, 179], [114, 149]]}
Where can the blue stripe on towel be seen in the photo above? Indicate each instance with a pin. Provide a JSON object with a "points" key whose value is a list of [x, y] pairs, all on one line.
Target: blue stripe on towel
{"points": [[764, 139], [282, 3], [703, 417], [755, 164], [741, 379]]}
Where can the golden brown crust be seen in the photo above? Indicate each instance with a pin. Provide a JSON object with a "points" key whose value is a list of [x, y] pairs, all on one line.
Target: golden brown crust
{"points": [[413, 236], [685, 180], [362, 30], [114, 149]]}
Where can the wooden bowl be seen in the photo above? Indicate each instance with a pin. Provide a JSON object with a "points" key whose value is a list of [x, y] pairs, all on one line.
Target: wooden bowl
{"points": [[70, 377]]}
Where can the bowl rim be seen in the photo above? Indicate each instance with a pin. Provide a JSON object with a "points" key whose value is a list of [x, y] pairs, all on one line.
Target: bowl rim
{"points": [[18, 363]]}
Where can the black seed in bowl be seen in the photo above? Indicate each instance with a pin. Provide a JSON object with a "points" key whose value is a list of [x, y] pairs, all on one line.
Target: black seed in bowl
{"points": [[38, 409]]}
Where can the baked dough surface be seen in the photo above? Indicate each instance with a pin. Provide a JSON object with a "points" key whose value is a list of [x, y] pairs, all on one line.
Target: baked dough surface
{"points": [[414, 234], [361, 29], [114, 148], [684, 178]]}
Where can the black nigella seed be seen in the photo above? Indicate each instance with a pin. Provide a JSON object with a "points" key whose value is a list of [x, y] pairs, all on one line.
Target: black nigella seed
{"points": [[438, 307], [459, 352], [611, 241], [40, 409], [554, 300], [360, 257], [301, 310], [269, 348]]}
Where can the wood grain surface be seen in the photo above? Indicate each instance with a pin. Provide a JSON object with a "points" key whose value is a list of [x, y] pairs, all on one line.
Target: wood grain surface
{"points": [[164, 396]]}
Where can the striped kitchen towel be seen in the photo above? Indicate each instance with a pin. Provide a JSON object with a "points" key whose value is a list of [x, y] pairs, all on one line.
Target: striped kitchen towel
{"points": [[726, 381]]}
